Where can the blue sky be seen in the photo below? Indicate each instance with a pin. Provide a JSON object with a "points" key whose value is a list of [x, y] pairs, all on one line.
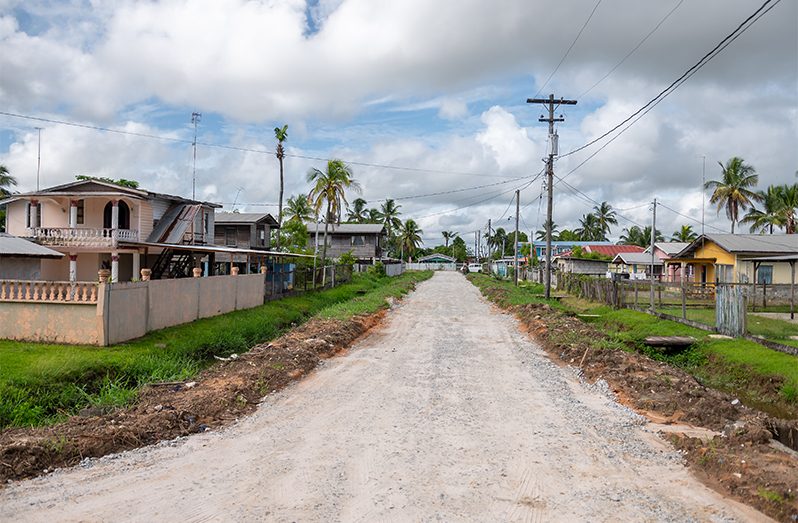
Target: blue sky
{"points": [[435, 86]]}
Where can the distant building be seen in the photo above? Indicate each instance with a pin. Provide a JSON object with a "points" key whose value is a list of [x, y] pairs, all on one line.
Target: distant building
{"points": [[366, 241]]}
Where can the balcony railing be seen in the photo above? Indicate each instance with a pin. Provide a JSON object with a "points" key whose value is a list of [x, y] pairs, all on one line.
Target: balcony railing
{"points": [[48, 291], [83, 237]]}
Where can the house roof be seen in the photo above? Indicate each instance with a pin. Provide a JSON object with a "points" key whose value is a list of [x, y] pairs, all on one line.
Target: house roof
{"points": [[100, 188], [635, 258], [752, 244], [20, 248], [436, 255], [612, 250], [670, 248], [542, 243], [244, 218], [348, 228]]}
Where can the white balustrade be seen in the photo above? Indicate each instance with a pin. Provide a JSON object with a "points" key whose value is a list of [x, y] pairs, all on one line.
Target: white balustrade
{"points": [[83, 236], [48, 291]]}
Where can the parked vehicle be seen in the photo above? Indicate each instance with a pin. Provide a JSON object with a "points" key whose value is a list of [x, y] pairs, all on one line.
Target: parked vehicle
{"points": [[474, 267]]}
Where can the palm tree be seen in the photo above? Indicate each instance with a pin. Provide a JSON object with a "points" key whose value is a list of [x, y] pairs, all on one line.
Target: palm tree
{"points": [[298, 209], [373, 216], [605, 216], [732, 190], [498, 241], [641, 237], [788, 203], [281, 133], [409, 237], [447, 235], [541, 235], [685, 234], [389, 216], [357, 213], [590, 228], [771, 214], [329, 187], [6, 180]]}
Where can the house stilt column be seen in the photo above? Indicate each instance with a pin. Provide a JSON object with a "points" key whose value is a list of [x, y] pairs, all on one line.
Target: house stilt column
{"points": [[114, 267], [114, 220], [73, 213], [73, 267], [34, 208], [136, 264]]}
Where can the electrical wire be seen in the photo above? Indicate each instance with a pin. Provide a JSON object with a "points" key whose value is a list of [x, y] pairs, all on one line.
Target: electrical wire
{"points": [[634, 49], [567, 52]]}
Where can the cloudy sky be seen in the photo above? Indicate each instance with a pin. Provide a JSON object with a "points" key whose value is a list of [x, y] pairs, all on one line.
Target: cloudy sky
{"points": [[420, 97]]}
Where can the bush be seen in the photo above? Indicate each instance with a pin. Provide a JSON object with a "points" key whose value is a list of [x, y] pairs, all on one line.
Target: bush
{"points": [[347, 258], [377, 269]]}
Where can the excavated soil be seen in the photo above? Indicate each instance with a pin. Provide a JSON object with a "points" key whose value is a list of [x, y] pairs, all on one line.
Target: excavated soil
{"points": [[740, 461], [218, 396]]}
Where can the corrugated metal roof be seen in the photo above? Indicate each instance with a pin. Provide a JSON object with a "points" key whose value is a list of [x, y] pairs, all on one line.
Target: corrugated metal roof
{"points": [[19, 247], [635, 258], [748, 244], [671, 248], [438, 256], [612, 250], [243, 217], [348, 228]]}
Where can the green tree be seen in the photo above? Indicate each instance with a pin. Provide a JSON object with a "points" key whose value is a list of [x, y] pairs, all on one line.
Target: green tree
{"points": [[541, 235], [447, 237], [329, 187], [294, 236], [733, 191], [409, 237], [567, 235], [641, 237], [131, 184], [357, 213], [298, 209], [788, 195], [605, 216], [389, 216], [6, 181], [459, 249], [590, 229], [281, 133], [684, 234], [373, 216]]}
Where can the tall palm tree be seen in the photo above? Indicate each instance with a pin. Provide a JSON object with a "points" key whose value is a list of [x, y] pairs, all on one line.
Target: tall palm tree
{"points": [[447, 235], [498, 240], [733, 191], [357, 213], [788, 202], [541, 235], [6, 180], [590, 229], [373, 216], [329, 187], [409, 237], [771, 215], [605, 216], [389, 216], [281, 133], [641, 237], [684, 234], [298, 209]]}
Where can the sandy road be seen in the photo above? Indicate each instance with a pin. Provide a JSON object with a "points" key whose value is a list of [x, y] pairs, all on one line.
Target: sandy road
{"points": [[446, 413]]}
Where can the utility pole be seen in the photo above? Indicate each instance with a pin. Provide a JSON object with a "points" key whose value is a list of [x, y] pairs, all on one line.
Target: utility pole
{"points": [[39, 159], [195, 119], [476, 255], [490, 235], [653, 240], [550, 102], [517, 212]]}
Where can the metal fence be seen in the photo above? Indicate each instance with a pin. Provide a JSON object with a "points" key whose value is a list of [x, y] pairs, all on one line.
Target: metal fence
{"points": [[288, 279]]}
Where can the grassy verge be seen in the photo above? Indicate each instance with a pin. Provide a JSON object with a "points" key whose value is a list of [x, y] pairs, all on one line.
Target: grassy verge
{"points": [[760, 377], [42, 384], [772, 329]]}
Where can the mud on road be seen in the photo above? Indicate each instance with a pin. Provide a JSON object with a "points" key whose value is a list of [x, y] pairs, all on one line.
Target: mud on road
{"points": [[446, 412]]}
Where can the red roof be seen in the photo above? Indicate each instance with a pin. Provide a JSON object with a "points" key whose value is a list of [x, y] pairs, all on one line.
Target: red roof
{"points": [[612, 250]]}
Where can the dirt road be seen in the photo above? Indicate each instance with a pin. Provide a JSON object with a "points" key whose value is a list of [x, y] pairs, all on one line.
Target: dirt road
{"points": [[446, 413]]}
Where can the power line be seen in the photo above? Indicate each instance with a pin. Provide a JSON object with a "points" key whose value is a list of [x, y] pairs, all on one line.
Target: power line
{"points": [[731, 37], [237, 148], [634, 49], [568, 50], [477, 202]]}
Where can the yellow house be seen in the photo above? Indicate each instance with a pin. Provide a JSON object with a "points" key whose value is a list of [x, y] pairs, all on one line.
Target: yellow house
{"points": [[736, 258]]}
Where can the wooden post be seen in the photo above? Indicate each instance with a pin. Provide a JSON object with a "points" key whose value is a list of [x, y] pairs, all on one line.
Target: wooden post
{"points": [[635, 286], [684, 301], [792, 289], [764, 295]]}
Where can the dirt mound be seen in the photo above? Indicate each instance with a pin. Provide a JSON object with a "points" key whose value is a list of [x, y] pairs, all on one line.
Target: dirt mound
{"points": [[216, 397], [742, 462]]}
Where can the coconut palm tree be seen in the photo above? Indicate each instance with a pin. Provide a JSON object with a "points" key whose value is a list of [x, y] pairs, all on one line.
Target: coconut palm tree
{"points": [[541, 235], [373, 216], [590, 229], [6, 180], [788, 196], [447, 235], [684, 234], [771, 215], [605, 216], [329, 187], [298, 209], [641, 237], [732, 191], [357, 213], [409, 237], [281, 133], [389, 216]]}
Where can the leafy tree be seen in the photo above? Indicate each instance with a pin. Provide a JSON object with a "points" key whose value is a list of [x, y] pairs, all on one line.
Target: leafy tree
{"points": [[605, 216], [357, 213], [329, 187], [410, 237], [459, 249], [294, 236], [567, 235], [641, 237], [684, 234], [281, 133], [298, 209], [732, 191], [131, 184]]}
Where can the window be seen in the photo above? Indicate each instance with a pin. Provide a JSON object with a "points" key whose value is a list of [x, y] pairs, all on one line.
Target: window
{"points": [[230, 237], [81, 212], [38, 222], [764, 274], [358, 241]]}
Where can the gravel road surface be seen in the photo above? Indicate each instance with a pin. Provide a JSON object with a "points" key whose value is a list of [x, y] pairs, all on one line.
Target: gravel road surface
{"points": [[447, 412]]}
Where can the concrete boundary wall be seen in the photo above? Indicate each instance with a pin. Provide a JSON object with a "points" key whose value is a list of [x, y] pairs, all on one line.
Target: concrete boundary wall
{"points": [[51, 322]]}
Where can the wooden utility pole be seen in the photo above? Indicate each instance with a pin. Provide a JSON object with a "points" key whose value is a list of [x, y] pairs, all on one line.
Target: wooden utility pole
{"points": [[517, 212], [488, 241], [552, 105], [653, 240]]}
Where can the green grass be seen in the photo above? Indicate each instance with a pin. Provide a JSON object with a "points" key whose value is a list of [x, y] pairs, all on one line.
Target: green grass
{"points": [[769, 328], [739, 366], [41, 383]]}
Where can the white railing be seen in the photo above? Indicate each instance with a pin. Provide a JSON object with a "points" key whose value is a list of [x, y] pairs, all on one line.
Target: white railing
{"points": [[82, 236], [48, 291]]}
